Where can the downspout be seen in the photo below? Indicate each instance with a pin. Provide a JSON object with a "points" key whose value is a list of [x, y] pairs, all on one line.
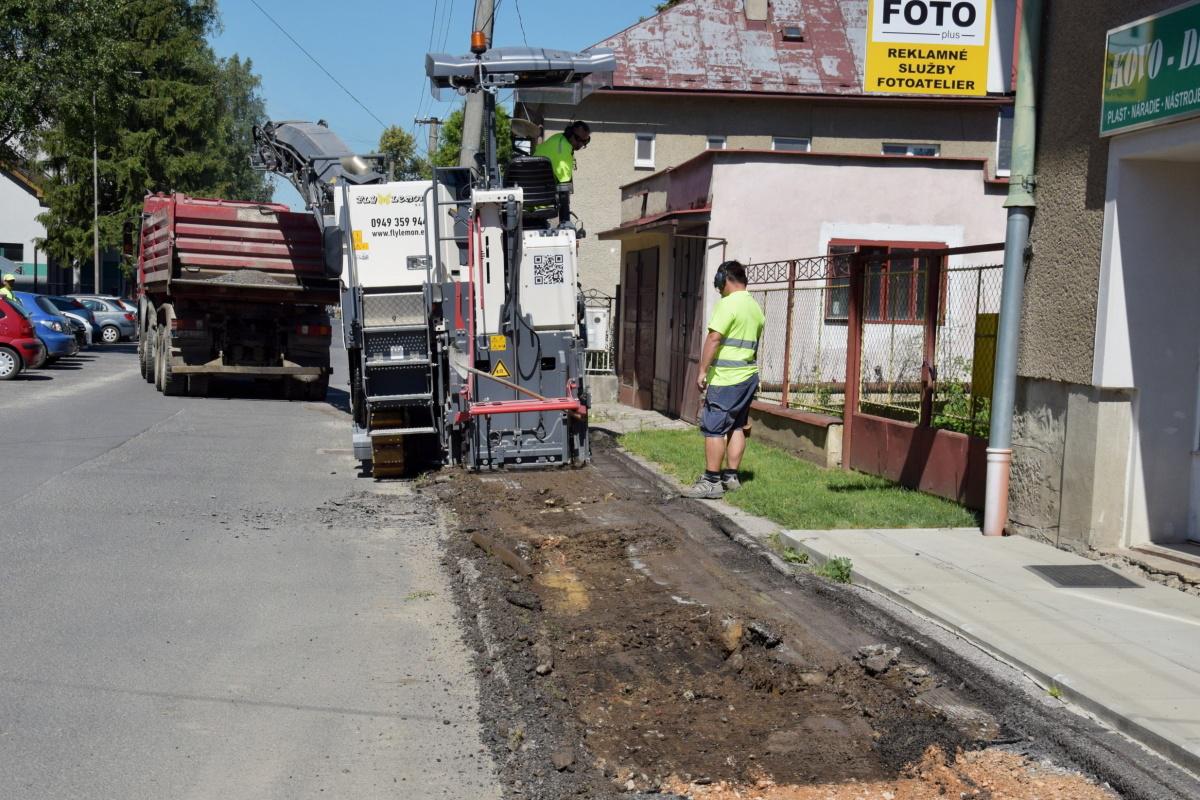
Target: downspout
{"points": [[1020, 205]]}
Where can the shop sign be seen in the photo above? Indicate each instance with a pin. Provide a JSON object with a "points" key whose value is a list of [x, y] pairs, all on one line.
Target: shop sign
{"points": [[931, 47], [1152, 71]]}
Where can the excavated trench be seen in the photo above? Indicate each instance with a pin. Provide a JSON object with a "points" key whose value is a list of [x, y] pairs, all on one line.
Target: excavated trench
{"points": [[627, 645]]}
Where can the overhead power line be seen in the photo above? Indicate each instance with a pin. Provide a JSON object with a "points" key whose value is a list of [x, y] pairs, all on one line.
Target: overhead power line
{"points": [[521, 20], [319, 65]]}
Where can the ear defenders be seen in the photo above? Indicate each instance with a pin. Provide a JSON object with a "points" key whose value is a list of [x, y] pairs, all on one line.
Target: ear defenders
{"points": [[720, 278]]}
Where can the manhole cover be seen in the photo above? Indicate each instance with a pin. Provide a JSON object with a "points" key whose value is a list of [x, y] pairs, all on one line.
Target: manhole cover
{"points": [[1084, 576]]}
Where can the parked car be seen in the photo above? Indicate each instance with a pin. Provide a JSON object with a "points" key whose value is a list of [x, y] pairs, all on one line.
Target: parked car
{"points": [[74, 309], [79, 331], [20, 347], [115, 322], [52, 327]]}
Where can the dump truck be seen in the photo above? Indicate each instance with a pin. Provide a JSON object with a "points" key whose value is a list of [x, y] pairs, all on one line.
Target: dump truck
{"points": [[230, 288]]}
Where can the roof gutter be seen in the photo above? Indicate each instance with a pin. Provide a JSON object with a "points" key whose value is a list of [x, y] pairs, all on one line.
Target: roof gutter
{"points": [[1020, 204]]}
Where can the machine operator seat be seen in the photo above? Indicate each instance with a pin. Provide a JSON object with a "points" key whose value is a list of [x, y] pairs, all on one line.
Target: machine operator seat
{"points": [[535, 176]]}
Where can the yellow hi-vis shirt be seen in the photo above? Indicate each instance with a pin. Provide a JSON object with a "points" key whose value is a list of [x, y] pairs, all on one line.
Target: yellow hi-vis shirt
{"points": [[740, 322], [561, 155], [7, 294]]}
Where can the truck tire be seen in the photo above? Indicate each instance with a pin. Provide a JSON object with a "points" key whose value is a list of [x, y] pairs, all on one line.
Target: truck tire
{"points": [[197, 385], [172, 385], [149, 364], [158, 363], [316, 390]]}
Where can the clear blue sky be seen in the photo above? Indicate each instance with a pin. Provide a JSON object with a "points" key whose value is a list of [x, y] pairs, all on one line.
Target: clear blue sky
{"points": [[376, 49]]}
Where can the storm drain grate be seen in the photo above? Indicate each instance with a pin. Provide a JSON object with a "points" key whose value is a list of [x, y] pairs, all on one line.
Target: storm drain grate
{"points": [[1084, 576]]}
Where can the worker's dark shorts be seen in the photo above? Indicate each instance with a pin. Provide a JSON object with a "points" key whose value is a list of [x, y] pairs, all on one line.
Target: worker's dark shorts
{"points": [[727, 408]]}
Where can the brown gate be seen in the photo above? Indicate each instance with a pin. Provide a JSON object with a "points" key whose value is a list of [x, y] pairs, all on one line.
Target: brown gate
{"points": [[683, 397], [883, 335], [638, 327]]}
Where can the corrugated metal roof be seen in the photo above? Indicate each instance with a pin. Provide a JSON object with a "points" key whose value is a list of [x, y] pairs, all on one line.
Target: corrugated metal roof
{"points": [[710, 45]]}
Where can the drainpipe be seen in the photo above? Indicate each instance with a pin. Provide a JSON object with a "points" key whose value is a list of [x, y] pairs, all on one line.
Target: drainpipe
{"points": [[1020, 205]]}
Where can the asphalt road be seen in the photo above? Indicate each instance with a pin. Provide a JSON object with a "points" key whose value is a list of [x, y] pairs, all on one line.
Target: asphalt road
{"points": [[202, 599]]}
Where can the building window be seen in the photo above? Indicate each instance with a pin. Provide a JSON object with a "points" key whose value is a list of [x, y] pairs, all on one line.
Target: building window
{"points": [[1004, 132], [716, 142], [917, 150], [12, 251], [790, 144], [643, 151], [896, 287]]}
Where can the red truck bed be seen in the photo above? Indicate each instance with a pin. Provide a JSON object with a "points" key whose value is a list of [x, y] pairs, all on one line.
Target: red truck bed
{"points": [[196, 246]]}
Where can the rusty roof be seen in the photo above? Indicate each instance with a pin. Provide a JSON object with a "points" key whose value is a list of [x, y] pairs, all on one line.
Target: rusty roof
{"points": [[711, 46]]}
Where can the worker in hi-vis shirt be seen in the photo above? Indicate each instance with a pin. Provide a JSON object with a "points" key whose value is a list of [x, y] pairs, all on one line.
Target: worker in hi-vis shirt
{"points": [[560, 149], [729, 379]]}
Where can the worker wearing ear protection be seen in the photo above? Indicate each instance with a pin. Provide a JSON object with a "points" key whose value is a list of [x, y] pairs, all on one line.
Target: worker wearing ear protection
{"points": [[729, 379]]}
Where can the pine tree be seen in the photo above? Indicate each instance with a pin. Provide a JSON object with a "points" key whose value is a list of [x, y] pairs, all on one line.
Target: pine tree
{"points": [[168, 115]]}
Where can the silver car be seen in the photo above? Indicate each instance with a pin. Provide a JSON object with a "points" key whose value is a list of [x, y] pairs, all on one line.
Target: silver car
{"points": [[114, 322]]}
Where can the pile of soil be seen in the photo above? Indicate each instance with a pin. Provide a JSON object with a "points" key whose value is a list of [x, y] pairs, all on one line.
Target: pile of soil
{"points": [[625, 645]]}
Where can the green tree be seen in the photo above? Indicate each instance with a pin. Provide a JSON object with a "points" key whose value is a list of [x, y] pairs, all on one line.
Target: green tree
{"points": [[167, 115], [450, 138], [47, 47], [400, 149], [244, 107], [661, 7]]}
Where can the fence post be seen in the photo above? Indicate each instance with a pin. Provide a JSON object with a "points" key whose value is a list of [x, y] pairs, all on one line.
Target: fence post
{"points": [[787, 343], [933, 307], [854, 326]]}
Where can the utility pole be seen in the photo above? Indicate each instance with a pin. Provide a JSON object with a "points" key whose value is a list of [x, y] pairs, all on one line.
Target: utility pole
{"points": [[95, 201], [472, 130], [433, 123]]}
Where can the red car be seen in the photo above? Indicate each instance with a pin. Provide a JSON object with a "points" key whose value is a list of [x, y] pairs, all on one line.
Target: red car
{"points": [[19, 345]]}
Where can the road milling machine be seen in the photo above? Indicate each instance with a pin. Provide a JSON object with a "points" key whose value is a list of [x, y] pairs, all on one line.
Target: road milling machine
{"points": [[462, 314]]}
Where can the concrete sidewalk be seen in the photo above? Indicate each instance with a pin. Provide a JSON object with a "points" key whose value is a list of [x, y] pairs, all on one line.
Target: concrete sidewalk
{"points": [[1131, 656]]}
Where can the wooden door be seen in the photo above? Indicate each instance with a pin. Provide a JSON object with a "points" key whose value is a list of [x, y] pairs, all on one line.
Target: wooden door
{"points": [[638, 327], [686, 307]]}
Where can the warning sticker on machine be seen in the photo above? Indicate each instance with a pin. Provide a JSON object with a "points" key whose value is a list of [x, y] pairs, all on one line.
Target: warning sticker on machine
{"points": [[497, 341], [500, 371], [357, 238]]}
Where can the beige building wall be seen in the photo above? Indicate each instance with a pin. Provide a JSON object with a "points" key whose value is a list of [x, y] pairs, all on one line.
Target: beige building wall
{"points": [[1079, 460], [682, 124]]}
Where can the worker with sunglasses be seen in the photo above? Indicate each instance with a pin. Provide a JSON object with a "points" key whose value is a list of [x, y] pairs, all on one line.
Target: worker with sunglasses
{"points": [[560, 149]]}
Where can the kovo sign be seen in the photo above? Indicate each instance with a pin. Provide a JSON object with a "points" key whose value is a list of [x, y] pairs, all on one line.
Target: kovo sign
{"points": [[1152, 71], [936, 47]]}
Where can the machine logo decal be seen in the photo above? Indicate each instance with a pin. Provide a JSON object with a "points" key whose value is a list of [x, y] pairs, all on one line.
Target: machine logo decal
{"points": [[500, 371]]}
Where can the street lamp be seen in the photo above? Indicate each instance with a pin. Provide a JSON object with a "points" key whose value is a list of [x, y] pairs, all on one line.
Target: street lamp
{"points": [[95, 201]]}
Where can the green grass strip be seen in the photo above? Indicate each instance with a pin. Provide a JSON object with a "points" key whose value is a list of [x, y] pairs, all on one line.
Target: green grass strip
{"points": [[797, 494]]}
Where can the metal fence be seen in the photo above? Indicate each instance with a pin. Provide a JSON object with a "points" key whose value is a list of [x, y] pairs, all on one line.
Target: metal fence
{"points": [[806, 343], [802, 356], [966, 349], [601, 333]]}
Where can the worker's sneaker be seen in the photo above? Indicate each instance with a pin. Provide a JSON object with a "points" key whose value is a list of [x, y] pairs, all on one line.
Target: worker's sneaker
{"points": [[704, 489], [730, 482]]}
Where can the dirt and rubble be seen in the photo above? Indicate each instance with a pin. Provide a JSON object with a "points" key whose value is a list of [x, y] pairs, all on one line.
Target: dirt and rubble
{"points": [[626, 646]]}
